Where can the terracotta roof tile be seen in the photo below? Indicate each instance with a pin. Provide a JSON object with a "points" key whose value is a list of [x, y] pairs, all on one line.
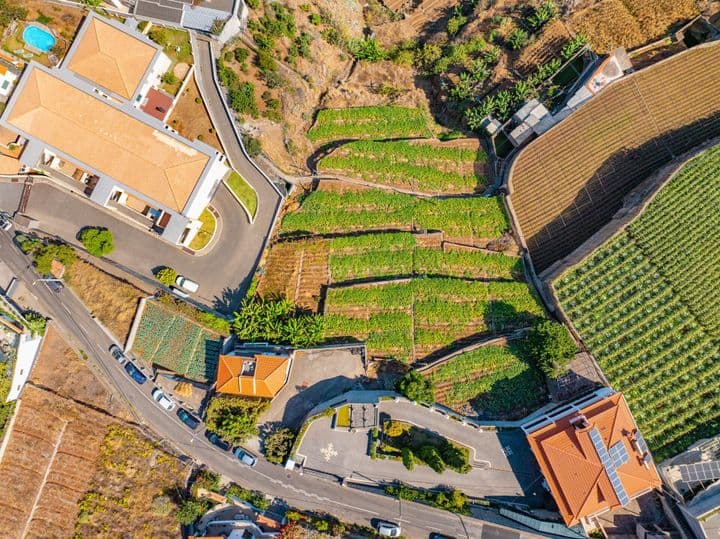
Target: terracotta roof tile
{"points": [[267, 379], [572, 467]]}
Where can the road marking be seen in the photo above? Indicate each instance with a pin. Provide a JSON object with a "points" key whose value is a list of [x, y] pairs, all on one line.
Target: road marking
{"points": [[329, 452]]}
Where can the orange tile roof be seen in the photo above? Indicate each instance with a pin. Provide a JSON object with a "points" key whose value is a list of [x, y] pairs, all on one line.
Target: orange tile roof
{"points": [[570, 463], [266, 381], [95, 133], [111, 58]]}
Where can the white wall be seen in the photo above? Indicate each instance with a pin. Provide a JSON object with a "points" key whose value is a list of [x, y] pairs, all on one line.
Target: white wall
{"points": [[27, 352], [206, 188]]}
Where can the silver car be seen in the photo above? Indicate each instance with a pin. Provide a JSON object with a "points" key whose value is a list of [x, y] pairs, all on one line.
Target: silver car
{"points": [[162, 399], [387, 529]]}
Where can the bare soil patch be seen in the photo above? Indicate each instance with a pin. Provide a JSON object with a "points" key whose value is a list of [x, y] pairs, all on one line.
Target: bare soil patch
{"points": [[108, 298], [190, 117]]}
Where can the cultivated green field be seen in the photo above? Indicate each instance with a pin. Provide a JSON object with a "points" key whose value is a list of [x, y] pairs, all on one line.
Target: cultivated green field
{"points": [[646, 304], [170, 340], [421, 166], [494, 380], [379, 122], [325, 212]]}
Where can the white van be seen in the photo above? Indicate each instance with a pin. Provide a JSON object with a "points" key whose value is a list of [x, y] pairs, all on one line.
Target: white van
{"points": [[179, 293], [187, 284]]}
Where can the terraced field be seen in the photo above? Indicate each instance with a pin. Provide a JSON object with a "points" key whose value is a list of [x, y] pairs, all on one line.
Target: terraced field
{"points": [[646, 304], [569, 182], [490, 381], [381, 122], [421, 166], [170, 340]]}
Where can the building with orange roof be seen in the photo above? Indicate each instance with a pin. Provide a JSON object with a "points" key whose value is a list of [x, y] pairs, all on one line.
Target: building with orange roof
{"points": [[84, 125], [259, 375], [592, 455]]}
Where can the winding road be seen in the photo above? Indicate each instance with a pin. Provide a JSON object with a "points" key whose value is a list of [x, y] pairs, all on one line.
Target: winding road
{"points": [[306, 491]]}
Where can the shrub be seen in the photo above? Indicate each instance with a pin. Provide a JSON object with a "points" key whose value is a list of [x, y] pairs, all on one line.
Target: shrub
{"points": [[253, 4], [35, 322], [407, 458], [430, 456], [234, 418], [208, 480], [217, 27], [10, 11], [367, 49], [162, 505], [43, 19], [98, 241], [517, 39], [253, 146], [169, 78], [278, 444], [242, 99], [265, 62], [253, 497], [190, 510], [416, 387], [241, 54], [166, 276], [552, 347], [28, 244]]}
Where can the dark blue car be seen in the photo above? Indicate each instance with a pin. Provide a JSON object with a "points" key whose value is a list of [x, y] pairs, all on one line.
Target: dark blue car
{"points": [[187, 418], [135, 373], [217, 441]]}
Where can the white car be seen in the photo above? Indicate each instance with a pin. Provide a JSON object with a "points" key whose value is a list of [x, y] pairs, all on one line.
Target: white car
{"points": [[5, 223], [387, 529], [187, 284], [179, 292], [163, 400]]}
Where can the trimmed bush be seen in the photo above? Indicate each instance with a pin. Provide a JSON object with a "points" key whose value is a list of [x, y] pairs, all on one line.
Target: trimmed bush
{"points": [[98, 241]]}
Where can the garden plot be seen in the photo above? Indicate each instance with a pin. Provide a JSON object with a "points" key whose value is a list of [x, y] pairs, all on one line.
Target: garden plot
{"points": [[474, 220], [495, 381], [645, 304], [410, 319], [422, 166], [169, 340], [379, 122]]}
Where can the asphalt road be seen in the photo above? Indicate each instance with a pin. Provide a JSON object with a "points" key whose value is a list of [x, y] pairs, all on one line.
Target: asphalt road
{"points": [[304, 491]]}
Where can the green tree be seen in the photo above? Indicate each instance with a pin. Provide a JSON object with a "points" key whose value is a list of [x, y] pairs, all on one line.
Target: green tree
{"points": [[430, 456], [208, 480], [166, 276], [169, 78], [98, 241], [277, 321], [44, 256], [36, 323], [278, 444], [241, 54], [552, 347], [235, 418], [416, 387], [190, 509]]}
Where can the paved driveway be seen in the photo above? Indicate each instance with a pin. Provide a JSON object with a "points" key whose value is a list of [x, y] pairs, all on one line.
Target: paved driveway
{"points": [[224, 272], [503, 467]]}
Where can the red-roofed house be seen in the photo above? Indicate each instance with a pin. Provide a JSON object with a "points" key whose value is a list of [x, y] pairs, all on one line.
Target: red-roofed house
{"points": [[261, 375], [592, 455]]}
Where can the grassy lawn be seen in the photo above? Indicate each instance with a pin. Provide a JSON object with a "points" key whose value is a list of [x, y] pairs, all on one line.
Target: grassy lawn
{"points": [[176, 44], [244, 191], [205, 234], [343, 417]]}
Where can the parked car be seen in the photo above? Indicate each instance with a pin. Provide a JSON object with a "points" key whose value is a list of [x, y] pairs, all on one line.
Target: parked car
{"points": [[162, 399], [245, 457], [5, 223], [187, 284], [117, 353], [187, 418], [217, 441], [55, 286], [179, 293], [387, 529], [436, 535], [135, 373]]}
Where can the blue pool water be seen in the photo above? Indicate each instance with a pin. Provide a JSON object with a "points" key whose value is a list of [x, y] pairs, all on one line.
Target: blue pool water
{"points": [[38, 38]]}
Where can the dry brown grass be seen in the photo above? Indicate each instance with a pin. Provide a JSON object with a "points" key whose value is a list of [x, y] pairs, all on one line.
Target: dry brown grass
{"points": [[630, 23], [191, 119], [111, 300]]}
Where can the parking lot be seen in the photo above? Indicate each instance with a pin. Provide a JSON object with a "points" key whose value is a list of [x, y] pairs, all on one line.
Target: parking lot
{"points": [[503, 466]]}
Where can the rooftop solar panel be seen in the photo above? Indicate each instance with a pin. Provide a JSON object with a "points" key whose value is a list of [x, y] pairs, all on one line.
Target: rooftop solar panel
{"points": [[700, 471], [611, 460]]}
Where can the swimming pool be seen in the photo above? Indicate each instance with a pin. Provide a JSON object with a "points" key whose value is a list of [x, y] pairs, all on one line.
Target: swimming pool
{"points": [[38, 38]]}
